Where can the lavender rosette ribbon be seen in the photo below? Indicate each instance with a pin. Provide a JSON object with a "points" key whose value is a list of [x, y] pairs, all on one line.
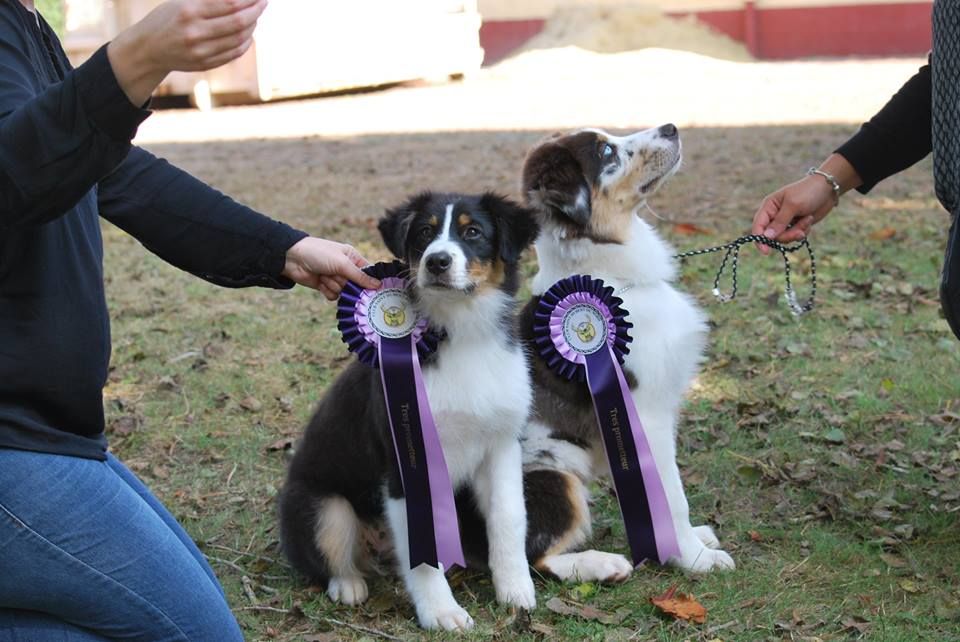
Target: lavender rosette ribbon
{"points": [[582, 333], [382, 329]]}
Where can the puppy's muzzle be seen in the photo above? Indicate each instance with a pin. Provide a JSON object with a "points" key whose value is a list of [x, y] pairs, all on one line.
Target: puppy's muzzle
{"points": [[439, 263]]}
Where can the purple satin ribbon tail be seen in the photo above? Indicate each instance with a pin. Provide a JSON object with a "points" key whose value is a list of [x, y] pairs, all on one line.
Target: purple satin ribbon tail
{"points": [[643, 502], [667, 543], [432, 528], [445, 524]]}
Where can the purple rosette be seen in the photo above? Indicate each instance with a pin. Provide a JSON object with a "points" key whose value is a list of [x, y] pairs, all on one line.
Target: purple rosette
{"points": [[548, 327], [353, 315], [582, 332], [384, 330]]}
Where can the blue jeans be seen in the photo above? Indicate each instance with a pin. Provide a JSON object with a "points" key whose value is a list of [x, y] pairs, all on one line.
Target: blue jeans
{"points": [[87, 553]]}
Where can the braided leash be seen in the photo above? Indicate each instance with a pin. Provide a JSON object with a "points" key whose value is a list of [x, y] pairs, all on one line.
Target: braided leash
{"points": [[733, 255]]}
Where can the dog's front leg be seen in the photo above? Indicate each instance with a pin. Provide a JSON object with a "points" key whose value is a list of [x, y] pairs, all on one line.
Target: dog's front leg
{"points": [[499, 494], [699, 548], [427, 586]]}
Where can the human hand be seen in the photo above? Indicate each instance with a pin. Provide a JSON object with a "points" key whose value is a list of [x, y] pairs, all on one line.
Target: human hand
{"points": [[181, 35], [326, 266], [787, 214]]}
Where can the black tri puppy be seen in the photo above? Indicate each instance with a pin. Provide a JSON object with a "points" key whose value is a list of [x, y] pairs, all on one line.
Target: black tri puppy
{"points": [[463, 252]]}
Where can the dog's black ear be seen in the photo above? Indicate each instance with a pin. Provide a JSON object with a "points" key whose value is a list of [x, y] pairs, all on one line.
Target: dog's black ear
{"points": [[394, 227], [395, 224], [553, 181], [517, 226]]}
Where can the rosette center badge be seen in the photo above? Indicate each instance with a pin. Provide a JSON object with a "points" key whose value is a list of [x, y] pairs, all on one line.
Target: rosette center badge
{"points": [[391, 313], [584, 328]]}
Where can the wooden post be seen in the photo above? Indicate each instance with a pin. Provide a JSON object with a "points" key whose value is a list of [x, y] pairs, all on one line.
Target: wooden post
{"points": [[750, 32]]}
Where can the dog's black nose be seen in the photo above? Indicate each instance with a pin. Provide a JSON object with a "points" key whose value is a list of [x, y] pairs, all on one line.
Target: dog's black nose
{"points": [[668, 131], [439, 263]]}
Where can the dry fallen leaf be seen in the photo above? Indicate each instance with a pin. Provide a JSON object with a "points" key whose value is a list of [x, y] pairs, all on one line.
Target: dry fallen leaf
{"points": [[856, 623], [251, 404], [893, 561], [944, 418], [689, 229], [909, 586], [125, 425], [680, 605], [284, 444], [286, 404], [587, 612], [883, 234], [543, 629]]}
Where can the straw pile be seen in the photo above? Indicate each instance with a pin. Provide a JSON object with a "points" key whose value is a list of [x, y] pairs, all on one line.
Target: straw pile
{"points": [[629, 27]]}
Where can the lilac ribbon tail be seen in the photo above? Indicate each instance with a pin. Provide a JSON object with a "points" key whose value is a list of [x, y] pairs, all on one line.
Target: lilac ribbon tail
{"points": [[667, 543], [396, 375], [643, 501], [445, 524], [432, 528]]}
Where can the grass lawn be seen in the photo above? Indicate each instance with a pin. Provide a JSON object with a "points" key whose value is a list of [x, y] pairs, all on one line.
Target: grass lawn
{"points": [[824, 450]]}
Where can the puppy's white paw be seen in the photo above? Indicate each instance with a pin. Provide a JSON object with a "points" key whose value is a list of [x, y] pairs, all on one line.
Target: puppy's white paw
{"points": [[448, 618], [590, 566], [517, 590], [706, 535], [706, 559], [347, 590], [599, 566]]}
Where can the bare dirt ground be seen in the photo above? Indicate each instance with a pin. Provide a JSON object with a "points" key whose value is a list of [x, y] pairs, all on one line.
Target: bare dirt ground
{"points": [[326, 161], [571, 87]]}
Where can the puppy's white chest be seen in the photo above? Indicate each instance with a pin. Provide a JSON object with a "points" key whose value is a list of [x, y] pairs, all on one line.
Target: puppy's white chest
{"points": [[479, 394], [478, 383]]}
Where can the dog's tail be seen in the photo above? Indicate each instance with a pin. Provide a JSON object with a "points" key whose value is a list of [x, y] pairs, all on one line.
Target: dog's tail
{"points": [[319, 534]]}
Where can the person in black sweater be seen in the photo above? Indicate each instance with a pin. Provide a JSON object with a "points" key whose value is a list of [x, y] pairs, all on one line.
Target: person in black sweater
{"points": [[86, 552], [923, 116]]}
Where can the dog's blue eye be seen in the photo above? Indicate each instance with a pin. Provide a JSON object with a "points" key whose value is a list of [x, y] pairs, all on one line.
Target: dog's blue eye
{"points": [[606, 152]]}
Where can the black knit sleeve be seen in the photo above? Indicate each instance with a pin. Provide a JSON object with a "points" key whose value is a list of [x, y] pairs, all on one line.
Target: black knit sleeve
{"points": [[193, 226], [896, 137], [55, 145]]}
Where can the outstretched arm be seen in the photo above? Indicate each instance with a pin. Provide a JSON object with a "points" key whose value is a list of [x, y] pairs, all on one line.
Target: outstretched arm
{"points": [[193, 226], [895, 138], [196, 228], [58, 141], [182, 35]]}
